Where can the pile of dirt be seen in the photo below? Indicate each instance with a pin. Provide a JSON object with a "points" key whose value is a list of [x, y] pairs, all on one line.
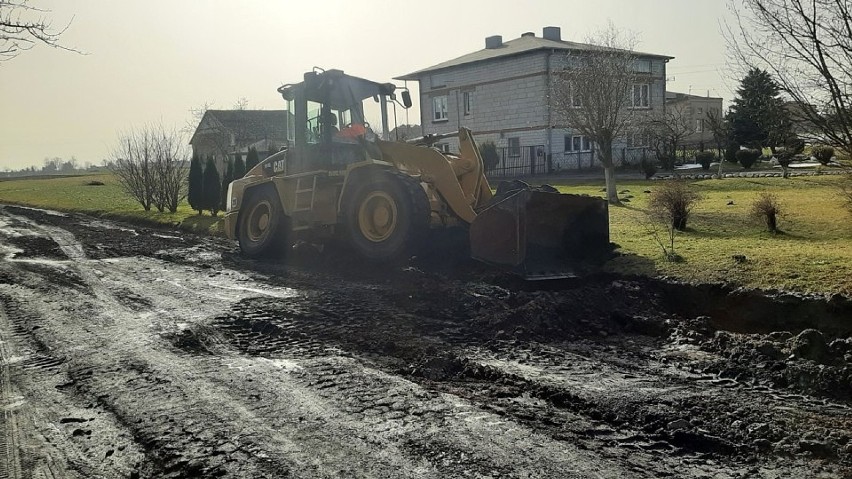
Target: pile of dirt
{"points": [[37, 247], [596, 307], [808, 362]]}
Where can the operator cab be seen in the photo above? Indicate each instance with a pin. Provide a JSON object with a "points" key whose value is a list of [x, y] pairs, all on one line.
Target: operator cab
{"points": [[330, 115]]}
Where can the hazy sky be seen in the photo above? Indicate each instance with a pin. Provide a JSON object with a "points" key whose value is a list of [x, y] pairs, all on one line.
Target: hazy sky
{"points": [[153, 60]]}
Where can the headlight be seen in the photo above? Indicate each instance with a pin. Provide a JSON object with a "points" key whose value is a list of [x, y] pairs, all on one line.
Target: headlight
{"points": [[230, 201]]}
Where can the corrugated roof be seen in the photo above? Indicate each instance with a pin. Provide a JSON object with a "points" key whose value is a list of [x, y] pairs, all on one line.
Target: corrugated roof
{"points": [[524, 44]]}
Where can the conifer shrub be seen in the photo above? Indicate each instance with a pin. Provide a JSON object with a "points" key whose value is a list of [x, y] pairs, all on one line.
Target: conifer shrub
{"points": [[748, 157], [704, 158]]}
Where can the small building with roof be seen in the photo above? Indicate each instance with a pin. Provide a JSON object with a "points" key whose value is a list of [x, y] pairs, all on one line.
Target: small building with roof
{"points": [[696, 110], [223, 134], [503, 94]]}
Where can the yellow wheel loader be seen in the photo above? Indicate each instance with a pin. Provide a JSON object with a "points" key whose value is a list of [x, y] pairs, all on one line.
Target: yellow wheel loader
{"points": [[338, 178]]}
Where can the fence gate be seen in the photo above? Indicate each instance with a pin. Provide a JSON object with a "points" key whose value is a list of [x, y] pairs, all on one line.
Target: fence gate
{"points": [[523, 161]]}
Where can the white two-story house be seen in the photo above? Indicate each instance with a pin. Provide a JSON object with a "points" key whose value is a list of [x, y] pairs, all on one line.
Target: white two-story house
{"points": [[502, 93]]}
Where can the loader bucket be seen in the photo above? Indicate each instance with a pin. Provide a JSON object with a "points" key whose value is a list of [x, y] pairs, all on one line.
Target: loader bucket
{"points": [[540, 234]]}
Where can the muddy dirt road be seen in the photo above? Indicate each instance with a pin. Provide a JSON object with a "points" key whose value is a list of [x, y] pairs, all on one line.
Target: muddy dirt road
{"points": [[129, 352]]}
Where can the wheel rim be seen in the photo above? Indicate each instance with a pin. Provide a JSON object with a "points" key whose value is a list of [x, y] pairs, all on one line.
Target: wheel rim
{"points": [[377, 216], [259, 221]]}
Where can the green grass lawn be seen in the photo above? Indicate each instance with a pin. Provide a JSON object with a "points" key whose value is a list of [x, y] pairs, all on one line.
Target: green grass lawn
{"points": [[814, 253], [74, 193]]}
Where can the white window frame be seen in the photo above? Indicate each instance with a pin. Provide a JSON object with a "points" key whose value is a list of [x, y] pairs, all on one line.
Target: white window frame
{"points": [[638, 140], [646, 97], [699, 125], [443, 147], [585, 144], [576, 101], [467, 102], [642, 65], [439, 108], [513, 151]]}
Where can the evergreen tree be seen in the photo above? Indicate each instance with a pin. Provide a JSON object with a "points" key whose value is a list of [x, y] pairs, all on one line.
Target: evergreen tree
{"points": [[227, 178], [195, 195], [239, 167], [758, 117], [211, 186], [251, 159]]}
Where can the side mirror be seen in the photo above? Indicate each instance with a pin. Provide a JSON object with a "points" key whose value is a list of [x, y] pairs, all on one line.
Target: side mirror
{"points": [[406, 99]]}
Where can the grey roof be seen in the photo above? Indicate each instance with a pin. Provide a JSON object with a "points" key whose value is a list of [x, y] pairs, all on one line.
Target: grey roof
{"points": [[248, 124], [524, 44]]}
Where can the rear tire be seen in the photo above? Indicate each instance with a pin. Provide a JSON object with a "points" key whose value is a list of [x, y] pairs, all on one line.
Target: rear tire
{"points": [[263, 226], [386, 216]]}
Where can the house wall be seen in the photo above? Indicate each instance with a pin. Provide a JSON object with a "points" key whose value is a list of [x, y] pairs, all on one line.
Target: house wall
{"points": [[696, 109], [510, 100]]}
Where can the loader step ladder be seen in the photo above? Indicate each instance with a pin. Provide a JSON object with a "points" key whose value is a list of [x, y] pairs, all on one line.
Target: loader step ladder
{"points": [[303, 201]]}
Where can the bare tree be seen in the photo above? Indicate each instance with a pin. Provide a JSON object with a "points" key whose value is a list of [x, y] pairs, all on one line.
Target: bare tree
{"points": [[591, 95], [242, 103], [22, 26], [196, 114], [149, 166], [132, 166], [718, 124], [169, 170], [51, 165], [667, 132], [807, 46]]}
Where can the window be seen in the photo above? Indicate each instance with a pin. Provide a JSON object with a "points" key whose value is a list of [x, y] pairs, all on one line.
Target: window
{"points": [[439, 108], [577, 143], [576, 100], [437, 80], [467, 100], [699, 125], [642, 66], [514, 147], [640, 97], [700, 111], [444, 147], [638, 140]]}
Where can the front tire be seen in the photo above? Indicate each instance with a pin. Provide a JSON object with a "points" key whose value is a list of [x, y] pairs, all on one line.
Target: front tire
{"points": [[263, 226], [386, 216]]}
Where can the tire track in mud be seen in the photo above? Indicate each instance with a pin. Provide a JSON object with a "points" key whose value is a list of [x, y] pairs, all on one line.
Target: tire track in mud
{"points": [[290, 328], [59, 426], [322, 366], [10, 466], [117, 389], [547, 391]]}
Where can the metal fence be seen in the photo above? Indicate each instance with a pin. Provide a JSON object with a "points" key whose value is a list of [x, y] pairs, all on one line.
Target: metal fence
{"points": [[584, 160], [522, 161], [534, 161]]}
